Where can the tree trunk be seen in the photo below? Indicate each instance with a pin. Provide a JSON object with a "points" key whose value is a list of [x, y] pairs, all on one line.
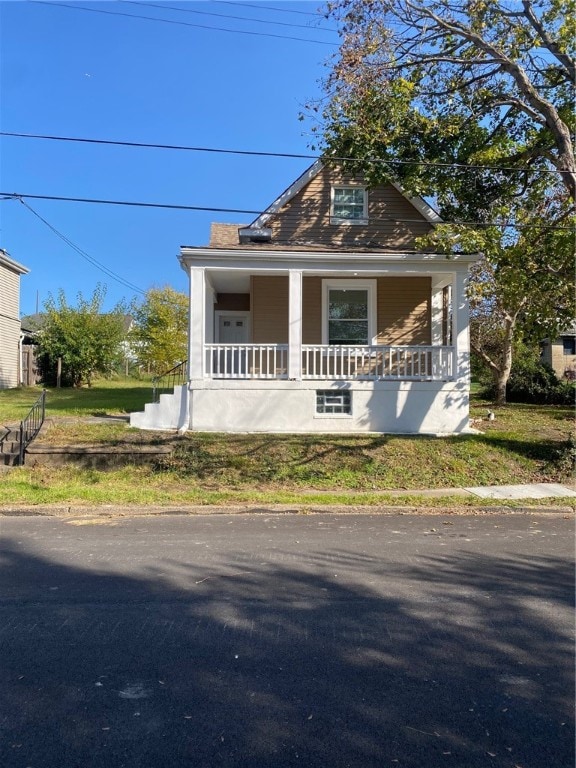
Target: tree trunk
{"points": [[502, 374]]}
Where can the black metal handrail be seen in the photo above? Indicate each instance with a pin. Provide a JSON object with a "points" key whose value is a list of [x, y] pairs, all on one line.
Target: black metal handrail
{"points": [[168, 380], [31, 425]]}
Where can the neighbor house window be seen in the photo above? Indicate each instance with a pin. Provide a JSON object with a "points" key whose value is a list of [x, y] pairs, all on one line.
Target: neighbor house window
{"points": [[333, 401], [349, 205], [349, 308], [569, 345]]}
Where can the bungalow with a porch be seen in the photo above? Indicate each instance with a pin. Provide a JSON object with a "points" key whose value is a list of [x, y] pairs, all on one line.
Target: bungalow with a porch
{"points": [[323, 316]]}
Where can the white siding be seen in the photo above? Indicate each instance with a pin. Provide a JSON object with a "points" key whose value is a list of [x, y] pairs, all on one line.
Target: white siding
{"points": [[9, 326]]}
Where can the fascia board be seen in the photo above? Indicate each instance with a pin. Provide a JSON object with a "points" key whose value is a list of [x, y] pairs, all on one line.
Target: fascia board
{"points": [[7, 261], [238, 258], [287, 195], [420, 204]]}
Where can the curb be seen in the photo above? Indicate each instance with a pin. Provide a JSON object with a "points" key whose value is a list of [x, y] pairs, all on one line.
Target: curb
{"points": [[106, 511]]}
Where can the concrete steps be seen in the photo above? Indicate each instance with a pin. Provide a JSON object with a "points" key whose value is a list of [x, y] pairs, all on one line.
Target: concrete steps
{"points": [[10, 446], [168, 413]]}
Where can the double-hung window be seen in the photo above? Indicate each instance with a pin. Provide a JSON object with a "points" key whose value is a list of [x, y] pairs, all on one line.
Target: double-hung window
{"points": [[349, 308], [349, 205]]}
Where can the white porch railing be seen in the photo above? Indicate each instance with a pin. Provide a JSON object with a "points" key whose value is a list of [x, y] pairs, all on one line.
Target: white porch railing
{"points": [[319, 361], [246, 361], [433, 363]]}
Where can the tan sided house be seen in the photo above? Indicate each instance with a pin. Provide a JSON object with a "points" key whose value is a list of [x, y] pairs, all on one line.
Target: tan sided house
{"points": [[323, 316], [10, 337]]}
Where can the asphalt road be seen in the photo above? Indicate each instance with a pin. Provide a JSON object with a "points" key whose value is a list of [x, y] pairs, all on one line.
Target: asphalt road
{"points": [[332, 641]]}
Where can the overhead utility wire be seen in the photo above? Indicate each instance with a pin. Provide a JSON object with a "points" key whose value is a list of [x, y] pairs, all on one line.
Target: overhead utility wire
{"points": [[267, 8], [254, 153], [18, 195], [82, 253], [185, 23], [228, 16], [21, 195]]}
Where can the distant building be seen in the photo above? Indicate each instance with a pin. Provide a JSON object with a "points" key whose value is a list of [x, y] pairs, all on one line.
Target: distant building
{"points": [[10, 336], [560, 353]]}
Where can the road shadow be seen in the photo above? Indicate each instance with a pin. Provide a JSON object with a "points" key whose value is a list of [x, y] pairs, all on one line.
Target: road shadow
{"points": [[456, 661]]}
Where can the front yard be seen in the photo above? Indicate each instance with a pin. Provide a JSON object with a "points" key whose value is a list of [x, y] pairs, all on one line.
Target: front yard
{"points": [[524, 444]]}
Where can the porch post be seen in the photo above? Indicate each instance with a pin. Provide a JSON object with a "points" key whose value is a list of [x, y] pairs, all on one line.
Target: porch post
{"points": [[197, 323], [295, 325], [460, 327]]}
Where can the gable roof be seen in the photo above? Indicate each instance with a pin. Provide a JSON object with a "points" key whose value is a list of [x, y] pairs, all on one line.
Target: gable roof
{"points": [[260, 222]]}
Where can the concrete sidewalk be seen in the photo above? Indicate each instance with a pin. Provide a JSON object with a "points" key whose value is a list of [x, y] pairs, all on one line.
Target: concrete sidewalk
{"points": [[545, 492], [532, 491]]}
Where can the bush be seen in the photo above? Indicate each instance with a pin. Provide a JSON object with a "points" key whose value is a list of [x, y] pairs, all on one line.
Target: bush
{"points": [[532, 381]]}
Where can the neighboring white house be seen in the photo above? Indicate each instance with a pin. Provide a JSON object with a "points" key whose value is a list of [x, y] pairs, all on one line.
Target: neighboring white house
{"points": [[323, 316], [10, 338]]}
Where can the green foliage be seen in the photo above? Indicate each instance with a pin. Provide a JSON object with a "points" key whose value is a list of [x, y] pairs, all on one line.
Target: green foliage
{"points": [[86, 339], [453, 82], [160, 330], [536, 382], [470, 103]]}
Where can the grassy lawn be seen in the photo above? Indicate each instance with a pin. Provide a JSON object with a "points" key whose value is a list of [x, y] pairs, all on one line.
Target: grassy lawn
{"points": [[107, 397], [524, 444]]}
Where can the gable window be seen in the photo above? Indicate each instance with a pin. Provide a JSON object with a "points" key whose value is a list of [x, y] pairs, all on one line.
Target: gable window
{"points": [[348, 312], [349, 205]]}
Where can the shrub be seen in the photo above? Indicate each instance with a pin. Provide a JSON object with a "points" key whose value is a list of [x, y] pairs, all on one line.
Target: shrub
{"points": [[532, 381]]}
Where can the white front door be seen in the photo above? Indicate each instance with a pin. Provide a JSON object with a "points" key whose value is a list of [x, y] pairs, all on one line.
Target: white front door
{"points": [[233, 329]]}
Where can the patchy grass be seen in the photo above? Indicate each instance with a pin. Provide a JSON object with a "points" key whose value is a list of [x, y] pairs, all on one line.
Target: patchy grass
{"points": [[524, 444], [107, 397]]}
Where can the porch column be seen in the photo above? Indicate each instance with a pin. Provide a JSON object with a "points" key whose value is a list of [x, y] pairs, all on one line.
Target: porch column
{"points": [[196, 323], [295, 324], [437, 307], [460, 327]]}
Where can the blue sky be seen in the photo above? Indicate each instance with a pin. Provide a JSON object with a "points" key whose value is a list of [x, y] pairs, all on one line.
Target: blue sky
{"points": [[67, 71]]}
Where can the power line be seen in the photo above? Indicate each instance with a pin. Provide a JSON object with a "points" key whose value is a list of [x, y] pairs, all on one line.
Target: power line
{"points": [[18, 195], [506, 225], [185, 23], [82, 253], [267, 8], [227, 16], [291, 155]]}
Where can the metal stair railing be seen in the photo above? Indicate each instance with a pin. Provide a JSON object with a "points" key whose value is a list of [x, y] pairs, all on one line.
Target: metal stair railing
{"points": [[168, 380], [31, 425]]}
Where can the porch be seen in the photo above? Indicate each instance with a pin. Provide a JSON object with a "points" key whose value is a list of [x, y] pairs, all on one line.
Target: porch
{"points": [[330, 362]]}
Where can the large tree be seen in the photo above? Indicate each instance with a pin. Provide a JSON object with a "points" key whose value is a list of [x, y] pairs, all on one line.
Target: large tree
{"points": [[84, 338], [465, 82], [470, 102], [522, 289], [160, 331]]}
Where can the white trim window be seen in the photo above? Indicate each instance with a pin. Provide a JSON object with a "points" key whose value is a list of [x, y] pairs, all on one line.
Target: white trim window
{"points": [[349, 205], [348, 312]]}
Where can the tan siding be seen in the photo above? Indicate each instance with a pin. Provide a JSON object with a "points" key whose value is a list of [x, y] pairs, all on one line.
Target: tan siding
{"points": [[559, 361], [393, 222], [233, 302], [269, 309], [404, 312], [312, 310]]}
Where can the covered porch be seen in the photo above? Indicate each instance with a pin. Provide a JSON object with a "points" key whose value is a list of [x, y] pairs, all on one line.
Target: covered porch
{"points": [[320, 341], [331, 317]]}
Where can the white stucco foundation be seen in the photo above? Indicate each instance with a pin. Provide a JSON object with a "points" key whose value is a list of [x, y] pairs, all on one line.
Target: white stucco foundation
{"points": [[389, 407]]}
